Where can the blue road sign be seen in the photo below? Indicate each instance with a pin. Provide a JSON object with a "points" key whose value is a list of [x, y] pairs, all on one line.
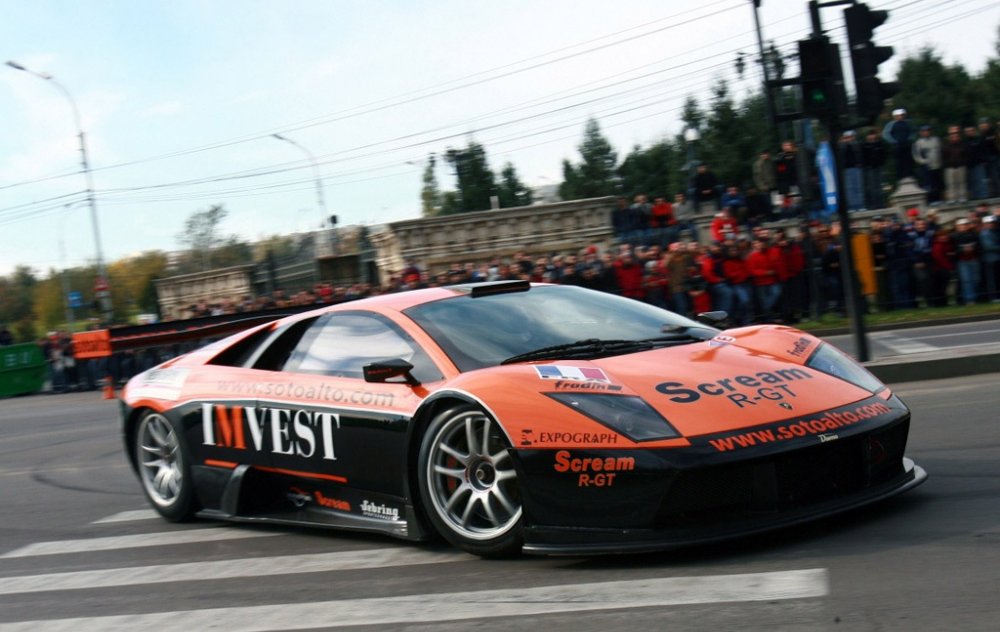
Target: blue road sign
{"points": [[75, 299], [827, 169]]}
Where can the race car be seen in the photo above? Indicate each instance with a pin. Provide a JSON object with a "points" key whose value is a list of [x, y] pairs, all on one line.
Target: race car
{"points": [[510, 417]]}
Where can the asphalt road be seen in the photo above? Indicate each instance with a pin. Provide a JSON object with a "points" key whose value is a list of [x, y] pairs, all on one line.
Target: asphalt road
{"points": [[897, 342], [79, 550]]}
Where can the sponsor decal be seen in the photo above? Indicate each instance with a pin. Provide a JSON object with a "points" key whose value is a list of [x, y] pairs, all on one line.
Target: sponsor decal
{"points": [[558, 372], [721, 340], [332, 503], [578, 385], [800, 347], [820, 426], [160, 383], [530, 437], [741, 390], [322, 392], [299, 498], [301, 433], [593, 471], [380, 511]]}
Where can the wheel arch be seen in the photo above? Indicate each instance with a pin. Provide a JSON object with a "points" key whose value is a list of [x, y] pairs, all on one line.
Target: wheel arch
{"points": [[429, 409]]}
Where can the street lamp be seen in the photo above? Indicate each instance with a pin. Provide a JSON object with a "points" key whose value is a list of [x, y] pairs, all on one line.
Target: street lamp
{"points": [[325, 244], [101, 286]]}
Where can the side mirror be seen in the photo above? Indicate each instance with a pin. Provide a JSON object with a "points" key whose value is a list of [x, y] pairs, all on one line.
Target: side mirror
{"points": [[389, 369], [712, 318]]}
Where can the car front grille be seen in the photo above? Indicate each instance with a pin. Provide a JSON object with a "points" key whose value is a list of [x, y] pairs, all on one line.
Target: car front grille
{"points": [[785, 481]]}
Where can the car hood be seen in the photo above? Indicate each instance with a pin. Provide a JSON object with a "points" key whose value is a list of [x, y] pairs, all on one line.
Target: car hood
{"points": [[721, 385]]}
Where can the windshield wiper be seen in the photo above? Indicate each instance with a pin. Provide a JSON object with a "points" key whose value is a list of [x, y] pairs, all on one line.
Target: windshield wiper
{"points": [[582, 349]]}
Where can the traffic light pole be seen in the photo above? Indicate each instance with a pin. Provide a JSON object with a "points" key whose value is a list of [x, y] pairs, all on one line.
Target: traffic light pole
{"points": [[853, 300]]}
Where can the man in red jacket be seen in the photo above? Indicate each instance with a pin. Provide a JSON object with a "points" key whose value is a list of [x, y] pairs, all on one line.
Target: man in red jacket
{"points": [[734, 269], [629, 276], [766, 278]]}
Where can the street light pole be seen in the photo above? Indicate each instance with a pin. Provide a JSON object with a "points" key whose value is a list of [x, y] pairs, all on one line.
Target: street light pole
{"points": [[319, 188], [102, 271]]}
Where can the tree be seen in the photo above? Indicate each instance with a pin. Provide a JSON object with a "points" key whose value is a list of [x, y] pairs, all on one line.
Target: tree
{"points": [[933, 92], [201, 233], [595, 176], [476, 183], [512, 191], [430, 193], [17, 302], [654, 171]]}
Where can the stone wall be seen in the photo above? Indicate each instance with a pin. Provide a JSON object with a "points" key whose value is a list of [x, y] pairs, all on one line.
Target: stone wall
{"points": [[436, 242], [175, 294]]}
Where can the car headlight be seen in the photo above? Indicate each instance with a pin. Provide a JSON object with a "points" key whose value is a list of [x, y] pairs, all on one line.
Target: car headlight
{"points": [[627, 415], [832, 361]]}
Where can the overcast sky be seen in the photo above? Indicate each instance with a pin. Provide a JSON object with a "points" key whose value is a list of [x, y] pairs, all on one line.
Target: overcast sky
{"points": [[179, 100]]}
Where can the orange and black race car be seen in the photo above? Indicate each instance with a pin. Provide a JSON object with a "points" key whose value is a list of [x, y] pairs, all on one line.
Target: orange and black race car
{"points": [[508, 417]]}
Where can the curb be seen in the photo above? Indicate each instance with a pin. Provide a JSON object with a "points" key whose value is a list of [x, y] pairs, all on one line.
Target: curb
{"points": [[936, 365], [913, 324]]}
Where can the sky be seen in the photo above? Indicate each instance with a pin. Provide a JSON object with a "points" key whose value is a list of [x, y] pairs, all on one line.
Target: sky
{"points": [[179, 101]]}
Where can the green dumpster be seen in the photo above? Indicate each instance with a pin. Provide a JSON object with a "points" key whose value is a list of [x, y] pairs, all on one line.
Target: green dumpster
{"points": [[22, 369]]}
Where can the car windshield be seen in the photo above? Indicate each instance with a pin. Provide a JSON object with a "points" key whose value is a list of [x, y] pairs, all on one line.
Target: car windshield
{"points": [[484, 331]]}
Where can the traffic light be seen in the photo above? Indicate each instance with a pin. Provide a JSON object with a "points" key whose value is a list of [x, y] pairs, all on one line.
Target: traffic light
{"points": [[821, 78], [865, 59]]}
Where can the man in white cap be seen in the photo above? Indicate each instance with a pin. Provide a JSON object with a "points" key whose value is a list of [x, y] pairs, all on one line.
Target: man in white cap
{"points": [[898, 133]]}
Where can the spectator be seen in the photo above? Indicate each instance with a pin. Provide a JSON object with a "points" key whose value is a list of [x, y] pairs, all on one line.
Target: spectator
{"points": [[628, 275], [764, 180], [698, 297], [850, 160], [967, 254], [677, 272], [923, 241], [734, 200], [621, 221], [943, 256], [873, 157], [639, 212], [765, 277], [712, 264], [989, 241], [927, 156], [684, 213], [898, 134], [705, 186], [662, 222], [786, 170], [954, 160], [899, 261], [991, 155], [6, 338], [737, 275], [724, 226], [975, 163]]}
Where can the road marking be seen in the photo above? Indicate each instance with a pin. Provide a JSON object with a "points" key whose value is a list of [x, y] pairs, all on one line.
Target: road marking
{"points": [[129, 516], [229, 569], [901, 345], [189, 536], [425, 608]]}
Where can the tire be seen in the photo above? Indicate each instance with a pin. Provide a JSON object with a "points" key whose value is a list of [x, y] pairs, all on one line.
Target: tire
{"points": [[468, 485], [164, 469]]}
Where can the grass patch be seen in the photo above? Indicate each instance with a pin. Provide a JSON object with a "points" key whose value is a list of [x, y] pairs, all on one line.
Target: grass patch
{"points": [[926, 314]]}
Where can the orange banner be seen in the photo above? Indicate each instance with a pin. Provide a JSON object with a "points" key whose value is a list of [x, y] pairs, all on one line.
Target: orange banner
{"points": [[92, 344]]}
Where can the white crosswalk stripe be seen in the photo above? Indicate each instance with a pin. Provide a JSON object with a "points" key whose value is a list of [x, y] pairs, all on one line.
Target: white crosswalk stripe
{"points": [[228, 569], [427, 608], [523, 600], [129, 516], [189, 536]]}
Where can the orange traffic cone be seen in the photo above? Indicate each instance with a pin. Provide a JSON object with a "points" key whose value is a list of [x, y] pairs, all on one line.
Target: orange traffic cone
{"points": [[109, 388]]}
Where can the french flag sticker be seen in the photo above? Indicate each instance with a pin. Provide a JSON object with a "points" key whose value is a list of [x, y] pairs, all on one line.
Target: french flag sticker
{"points": [[558, 372]]}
